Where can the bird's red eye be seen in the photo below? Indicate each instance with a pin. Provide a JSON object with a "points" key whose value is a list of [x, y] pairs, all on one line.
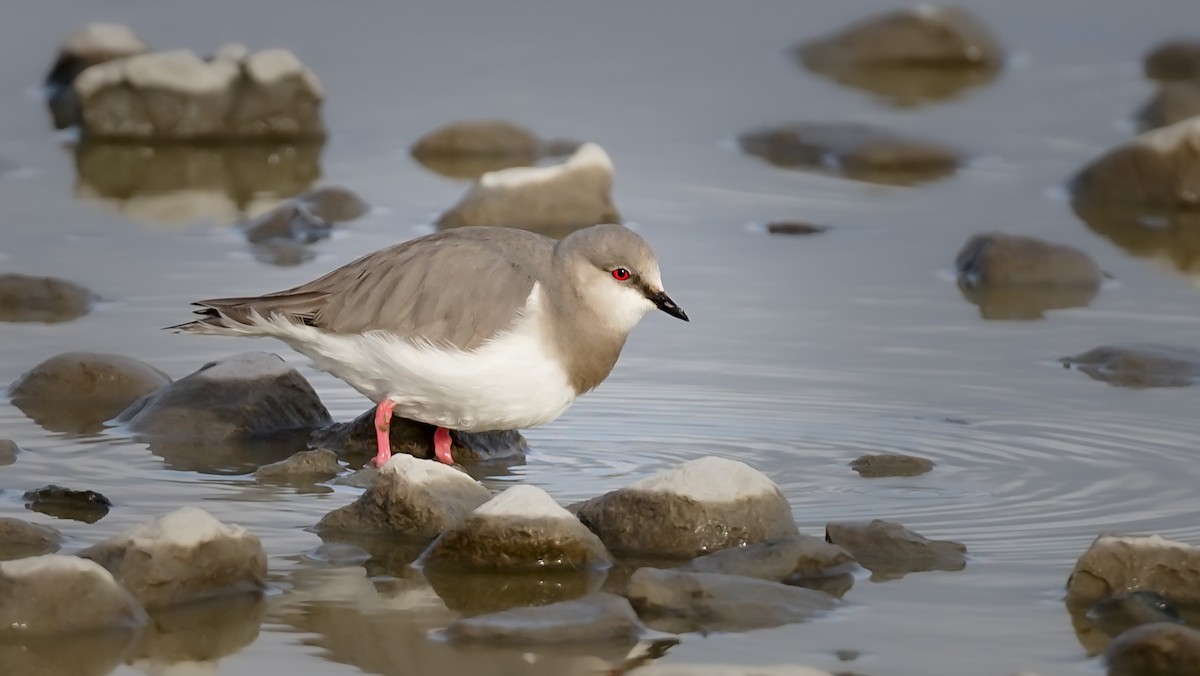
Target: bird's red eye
{"points": [[621, 275]]}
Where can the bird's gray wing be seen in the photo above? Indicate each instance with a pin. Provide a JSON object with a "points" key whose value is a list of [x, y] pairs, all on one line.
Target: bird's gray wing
{"points": [[456, 288]]}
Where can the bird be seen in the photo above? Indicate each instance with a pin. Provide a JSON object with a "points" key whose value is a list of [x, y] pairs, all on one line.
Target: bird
{"points": [[472, 329]]}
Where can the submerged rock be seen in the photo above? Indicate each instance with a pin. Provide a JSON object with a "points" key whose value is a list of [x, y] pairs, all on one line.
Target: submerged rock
{"points": [[289, 221], [853, 151], [64, 503], [410, 497], [552, 200], [1122, 612], [355, 441], [305, 467], [795, 559], [1017, 277], [1138, 365], [1118, 564], [42, 299], [698, 507], [55, 594], [1160, 649], [795, 228], [89, 45], [183, 556], [679, 602], [177, 96], [9, 450], [910, 56], [1173, 60], [78, 391], [1173, 102], [522, 529], [887, 465], [592, 619], [333, 203], [1159, 170], [250, 395], [19, 539], [891, 551]]}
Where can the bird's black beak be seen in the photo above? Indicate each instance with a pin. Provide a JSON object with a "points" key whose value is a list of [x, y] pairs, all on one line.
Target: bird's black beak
{"points": [[663, 302]]}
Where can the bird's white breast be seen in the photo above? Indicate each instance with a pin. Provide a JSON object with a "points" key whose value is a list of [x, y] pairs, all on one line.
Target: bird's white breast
{"points": [[512, 381]]}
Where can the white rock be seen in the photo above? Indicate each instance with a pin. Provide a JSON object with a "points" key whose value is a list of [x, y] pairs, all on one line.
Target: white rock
{"points": [[233, 51], [272, 65], [524, 501], [179, 70], [588, 156], [709, 479], [112, 38], [246, 366]]}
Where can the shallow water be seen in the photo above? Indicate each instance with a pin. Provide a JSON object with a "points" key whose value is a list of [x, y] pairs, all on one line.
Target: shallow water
{"points": [[802, 354]]}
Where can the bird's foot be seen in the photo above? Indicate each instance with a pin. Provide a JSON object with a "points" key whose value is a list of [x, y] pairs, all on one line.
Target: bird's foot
{"points": [[383, 428], [441, 446]]}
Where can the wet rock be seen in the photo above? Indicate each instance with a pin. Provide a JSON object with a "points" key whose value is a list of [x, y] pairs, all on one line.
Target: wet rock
{"points": [[1138, 365], [91, 44], [8, 452], [888, 465], [1159, 170], [177, 96], [182, 556], [594, 618], [795, 228], [891, 551], [678, 602], [1119, 564], [186, 184], [1120, 613], [1173, 60], [471, 148], [305, 467], [250, 395], [42, 299], [77, 392], [64, 503], [333, 203], [19, 539], [55, 594], [1154, 650], [355, 441], [1173, 102], [910, 56], [853, 151], [1017, 277], [698, 507], [553, 200], [410, 497], [791, 560], [522, 529], [289, 221]]}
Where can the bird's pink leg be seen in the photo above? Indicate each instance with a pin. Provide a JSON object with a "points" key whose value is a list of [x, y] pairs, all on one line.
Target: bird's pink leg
{"points": [[383, 427], [441, 446]]}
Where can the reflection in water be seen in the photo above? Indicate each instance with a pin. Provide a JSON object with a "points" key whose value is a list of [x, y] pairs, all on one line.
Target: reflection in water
{"points": [[185, 637], [905, 86], [385, 555], [390, 627], [1024, 302], [224, 456], [476, 593], [1173, 236], [184, 184], [73, 416], [1096, 626], [87, 654]]}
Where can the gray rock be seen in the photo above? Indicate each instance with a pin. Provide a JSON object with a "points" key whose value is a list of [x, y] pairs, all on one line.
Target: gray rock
{"points": [[305, 467], [698, 507], [176, 96], [910, 56], [471, 148], [1017, 277], [1138, 365], [91, 44], [42, 299], [9, 450], [355, 441], [1173, 102], [19, 539], [890, 465], [790, 560], [78, 392], [522, 529], [183, 556], [333, 203], [1154, 650], [1159, 170], [678, 602], [592, 619], [795, 228], [55, 594], [1119, 564], [289, 221], [1173, 60], [64, 503], [552, 200], [250, 395], [853, 151], [891, 551], [412, 498]]}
